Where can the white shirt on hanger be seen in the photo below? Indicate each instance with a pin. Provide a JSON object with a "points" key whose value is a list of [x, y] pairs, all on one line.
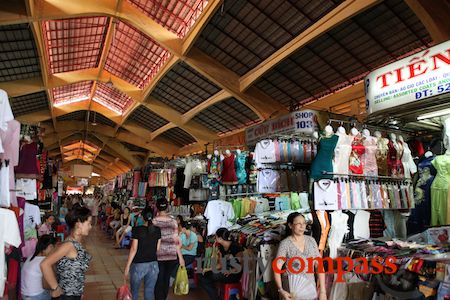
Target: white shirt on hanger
{"points": [[9, 234], [267, 181], [187, 175], [26, 188], [32, 216], [361, 229], [264, 152], [218, 213], [325, 195]]}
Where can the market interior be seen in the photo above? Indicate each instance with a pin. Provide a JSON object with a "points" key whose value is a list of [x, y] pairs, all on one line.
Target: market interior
{"points": [[238, 113]]}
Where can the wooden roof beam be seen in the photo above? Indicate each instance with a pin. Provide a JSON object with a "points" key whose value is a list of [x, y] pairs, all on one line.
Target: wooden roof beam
{"points": [[435, 16], [340, 14]]}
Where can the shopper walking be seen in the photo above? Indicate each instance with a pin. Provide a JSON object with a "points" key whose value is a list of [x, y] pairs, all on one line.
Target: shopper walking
{"points": [[168, 251], [31, 275], [142, 261], [70, 258], [298, 245]]}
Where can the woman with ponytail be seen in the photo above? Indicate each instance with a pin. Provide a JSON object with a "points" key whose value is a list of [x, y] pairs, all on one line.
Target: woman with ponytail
{"points": [[31, 279], [230, 254]]}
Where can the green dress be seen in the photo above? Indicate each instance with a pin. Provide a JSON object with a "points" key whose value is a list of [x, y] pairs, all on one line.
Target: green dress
{"points": [[324, 158], [439, 190]]}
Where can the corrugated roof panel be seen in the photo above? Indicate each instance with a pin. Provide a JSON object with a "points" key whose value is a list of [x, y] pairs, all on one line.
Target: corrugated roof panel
{"points": [[175, 15], [146, 118], [74, 44], [26, 104], [247, 32], [178, 136], [132, 147], [226, 116], [183, 88], [18, 54], [71, 93], [133, 56], [347, 53], [79, 115], [112, 98]]}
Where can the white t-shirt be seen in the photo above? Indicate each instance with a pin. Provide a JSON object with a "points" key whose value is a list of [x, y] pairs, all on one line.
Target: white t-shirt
{"points": [[267, 181], [218, 213], [9, 234], [26, 188], [264, 152], [361, 229], [6, 114], [32, 216], [31, 279], [5, 195], [187, 175], [325, 195]]}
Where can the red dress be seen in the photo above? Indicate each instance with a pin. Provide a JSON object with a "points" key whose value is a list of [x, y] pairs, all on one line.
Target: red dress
{"points": [[229, 170], [355, 162], [395, 165]]}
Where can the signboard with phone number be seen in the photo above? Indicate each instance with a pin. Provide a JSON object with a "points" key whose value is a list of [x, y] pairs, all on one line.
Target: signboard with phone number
{"points": [[417, 77]]}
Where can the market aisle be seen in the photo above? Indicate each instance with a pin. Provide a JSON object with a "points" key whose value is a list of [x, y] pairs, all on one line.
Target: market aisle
{"points": [[105, 273]]}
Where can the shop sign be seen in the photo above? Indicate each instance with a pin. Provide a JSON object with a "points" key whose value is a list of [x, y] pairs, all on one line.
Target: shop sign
{"points": [[299, 122], [415, 78]]}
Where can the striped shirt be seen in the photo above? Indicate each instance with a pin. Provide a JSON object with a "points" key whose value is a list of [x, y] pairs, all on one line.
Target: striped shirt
{"points": [[169, 238]]}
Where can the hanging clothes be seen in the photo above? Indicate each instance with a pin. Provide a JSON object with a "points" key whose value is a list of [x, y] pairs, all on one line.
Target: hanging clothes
{"points": [[409, 165], [439, 190], [324, 158], [342, 153], [382, 156], [241, 173], [229, 171], [28, 159], [355, 160], [370, 156], [395, 166]]}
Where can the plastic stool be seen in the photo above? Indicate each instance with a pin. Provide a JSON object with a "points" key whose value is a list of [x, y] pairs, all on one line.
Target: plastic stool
{"points": [[126, 242], [230, 289], [193, 266]]}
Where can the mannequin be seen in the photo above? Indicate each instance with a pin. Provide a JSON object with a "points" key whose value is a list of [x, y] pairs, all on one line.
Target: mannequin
{"points": [[369, 158], [342, 151], [428, 154], [395, 153], [323, 162], [216, 152], [238, 151], [409, 166], [209, 156], [214, 166], [328, 130], [366, 133], [341, 130], [358, 150], [315, 135], [239, 162], [439, 187], [354, 131], [229, 169], [381, 153]]}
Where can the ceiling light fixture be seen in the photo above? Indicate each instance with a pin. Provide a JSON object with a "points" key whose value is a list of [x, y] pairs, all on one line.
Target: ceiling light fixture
{"points": [[434, 114], [94, 123], [109, 83]]}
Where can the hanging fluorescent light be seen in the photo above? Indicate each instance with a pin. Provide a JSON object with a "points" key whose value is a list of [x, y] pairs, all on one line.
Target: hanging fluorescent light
{"points": [[434, 114]]}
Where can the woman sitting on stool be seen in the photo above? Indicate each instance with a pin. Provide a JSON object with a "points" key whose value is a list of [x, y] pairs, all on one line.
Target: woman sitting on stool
{"points": [[232, 253]]}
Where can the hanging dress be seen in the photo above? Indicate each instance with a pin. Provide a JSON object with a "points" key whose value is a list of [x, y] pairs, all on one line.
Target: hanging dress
{"points": [[370, 156], [342, 153], [323, 161], [381, 155], [409, 166], [229, 171], [439, 190], [355, 161], [395, 165]]}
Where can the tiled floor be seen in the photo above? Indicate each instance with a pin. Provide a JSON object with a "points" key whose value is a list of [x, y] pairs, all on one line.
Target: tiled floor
{"points": [[105, 273]]}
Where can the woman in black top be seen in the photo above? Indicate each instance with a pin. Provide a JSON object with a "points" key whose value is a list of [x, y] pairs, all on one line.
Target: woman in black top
{"points": [[142, 261], [231, 272]]}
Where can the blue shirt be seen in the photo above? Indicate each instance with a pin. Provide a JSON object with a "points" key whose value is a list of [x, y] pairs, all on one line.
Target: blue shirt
{"points": [[185, 242]]}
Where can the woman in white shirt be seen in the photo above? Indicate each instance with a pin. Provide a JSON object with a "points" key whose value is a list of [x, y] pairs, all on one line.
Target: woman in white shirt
{"points": [[31, 279]]}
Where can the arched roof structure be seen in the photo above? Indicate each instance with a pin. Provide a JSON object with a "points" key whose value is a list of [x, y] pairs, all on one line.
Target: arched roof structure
{"points": [[117, 81]]}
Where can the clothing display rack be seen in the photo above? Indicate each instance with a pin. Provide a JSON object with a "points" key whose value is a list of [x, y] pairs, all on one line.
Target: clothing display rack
{"points": [[367, 176]]}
